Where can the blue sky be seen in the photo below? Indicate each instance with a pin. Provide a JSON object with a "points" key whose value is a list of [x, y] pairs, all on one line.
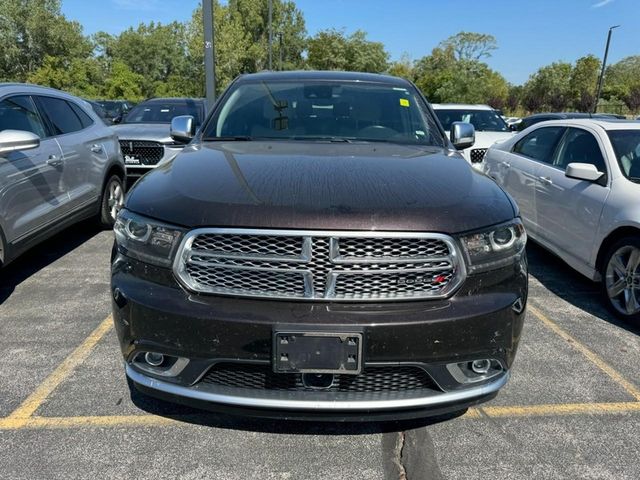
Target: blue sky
{"points": [[530, 33]]}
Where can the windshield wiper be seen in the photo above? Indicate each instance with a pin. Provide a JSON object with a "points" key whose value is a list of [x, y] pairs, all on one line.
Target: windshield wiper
{"points": [[237, 138], [324, 139]]}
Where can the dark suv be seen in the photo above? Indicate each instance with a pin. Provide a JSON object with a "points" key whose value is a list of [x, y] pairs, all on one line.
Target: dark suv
{"points": [[319, 250]]}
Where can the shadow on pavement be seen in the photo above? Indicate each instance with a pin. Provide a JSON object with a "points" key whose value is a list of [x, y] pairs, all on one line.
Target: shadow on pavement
{"points": [[43, 255], [558, 277]]}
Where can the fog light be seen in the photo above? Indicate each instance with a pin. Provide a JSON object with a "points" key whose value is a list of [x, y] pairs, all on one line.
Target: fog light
{"points": [[481, 366], [154, 359]]}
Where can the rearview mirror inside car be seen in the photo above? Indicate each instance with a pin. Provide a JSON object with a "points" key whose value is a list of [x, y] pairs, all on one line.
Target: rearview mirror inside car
{"points": [[583, 171], [183, 128], [462, 135], [14, 140]]}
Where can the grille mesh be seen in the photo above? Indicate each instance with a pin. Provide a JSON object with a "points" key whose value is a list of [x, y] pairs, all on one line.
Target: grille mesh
{"points": [[355, 248], [372, 379], [356, 268], [477, 155], [148, 153]]}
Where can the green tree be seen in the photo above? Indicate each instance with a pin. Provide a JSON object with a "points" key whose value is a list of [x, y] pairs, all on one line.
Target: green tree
{"points": [[444, 78], [123, 84], [582, 81], [549, 88], [33, 30], [154, 51], [470, 45], [332, 50], [402, 68], [80, 76], [621, 77]]}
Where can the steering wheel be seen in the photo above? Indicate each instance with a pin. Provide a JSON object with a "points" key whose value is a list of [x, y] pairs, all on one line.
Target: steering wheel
{"points": [[378, 132]]}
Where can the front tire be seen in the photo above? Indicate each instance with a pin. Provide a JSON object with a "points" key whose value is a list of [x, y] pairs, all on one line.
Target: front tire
{"points": [[621, 279], [112, 201]]}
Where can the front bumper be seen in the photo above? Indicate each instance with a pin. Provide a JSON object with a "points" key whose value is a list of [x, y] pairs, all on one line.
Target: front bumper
{"points": [[482, 320]]}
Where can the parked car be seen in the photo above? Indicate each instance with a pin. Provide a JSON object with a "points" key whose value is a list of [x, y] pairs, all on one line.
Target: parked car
{"points": [[101, 112], [576, 182], [543, 117], [144, 132], [116, 109], [59, 164], [319, 250], [489, 127]]}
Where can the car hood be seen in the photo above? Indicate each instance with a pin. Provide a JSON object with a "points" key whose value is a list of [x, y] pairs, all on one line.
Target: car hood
{"points": [[158, 132], [300, 185], [486, 139]]}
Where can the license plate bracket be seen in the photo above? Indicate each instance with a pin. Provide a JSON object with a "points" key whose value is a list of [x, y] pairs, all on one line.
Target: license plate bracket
{"points": [[317, 352]]}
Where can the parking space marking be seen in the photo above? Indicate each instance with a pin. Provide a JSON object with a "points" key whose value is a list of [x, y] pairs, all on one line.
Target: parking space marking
{"points": [[591, 356], [561, 409], [61, 373]]}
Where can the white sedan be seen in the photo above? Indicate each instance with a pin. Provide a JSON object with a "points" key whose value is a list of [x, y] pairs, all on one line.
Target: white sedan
{"points": [[577, 183]]}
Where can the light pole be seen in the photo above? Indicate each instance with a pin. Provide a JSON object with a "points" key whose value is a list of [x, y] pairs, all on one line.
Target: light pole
{"points": [[209, 52], [270, 35], [604, 65]]}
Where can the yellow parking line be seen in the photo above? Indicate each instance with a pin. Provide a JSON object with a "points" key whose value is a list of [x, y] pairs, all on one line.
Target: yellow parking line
{"points": [[88, 421], [593, 357], [66, 368], [562, 409]]}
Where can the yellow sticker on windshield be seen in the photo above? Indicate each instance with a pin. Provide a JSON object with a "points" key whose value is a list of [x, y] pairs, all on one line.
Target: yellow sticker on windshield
{"points": [[404, 102]]}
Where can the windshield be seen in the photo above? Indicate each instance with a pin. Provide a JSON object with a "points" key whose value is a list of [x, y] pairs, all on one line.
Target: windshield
{"points": [[317, 110], [163, 112], [482, 120], [113, 108], [626, 144]]}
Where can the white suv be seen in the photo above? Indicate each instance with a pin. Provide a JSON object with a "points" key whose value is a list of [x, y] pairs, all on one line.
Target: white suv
{"points": [[577, 183], [489, 126]]}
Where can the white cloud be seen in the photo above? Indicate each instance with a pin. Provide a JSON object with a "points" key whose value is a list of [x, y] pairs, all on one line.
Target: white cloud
{"points": [[601, 3]]}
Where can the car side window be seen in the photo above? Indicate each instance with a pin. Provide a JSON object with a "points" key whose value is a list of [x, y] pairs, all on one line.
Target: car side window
{"points": [[84, 118], [540, 144], [579, 146], [20, 113], [60, 114]]}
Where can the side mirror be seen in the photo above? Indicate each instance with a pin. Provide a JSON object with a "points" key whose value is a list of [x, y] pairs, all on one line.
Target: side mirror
{"points": [[183, 128], [462, 135], [513, 127], [13, 140], [116, 120], [583, 171]]}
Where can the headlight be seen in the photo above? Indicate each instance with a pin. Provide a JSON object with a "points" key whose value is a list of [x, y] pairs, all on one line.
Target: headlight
{"points": [[495, 247], [146, 239]]}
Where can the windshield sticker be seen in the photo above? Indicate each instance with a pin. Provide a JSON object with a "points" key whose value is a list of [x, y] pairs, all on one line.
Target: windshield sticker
{"points": [[404, 102]]}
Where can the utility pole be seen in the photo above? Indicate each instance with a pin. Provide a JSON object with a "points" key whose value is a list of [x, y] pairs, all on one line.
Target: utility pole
{"points": [[270, 35], [604, 65], [281, 53], [209, 53]]}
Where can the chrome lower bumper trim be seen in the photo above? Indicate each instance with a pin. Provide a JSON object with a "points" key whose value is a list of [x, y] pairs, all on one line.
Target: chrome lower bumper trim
{"points": [[285, 402]]}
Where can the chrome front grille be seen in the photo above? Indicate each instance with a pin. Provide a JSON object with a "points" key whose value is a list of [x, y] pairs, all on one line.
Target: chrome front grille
{"points": [[306, 265]]}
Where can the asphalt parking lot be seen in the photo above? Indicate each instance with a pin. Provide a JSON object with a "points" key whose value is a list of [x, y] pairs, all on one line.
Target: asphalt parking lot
{"points": [[571, 409]]}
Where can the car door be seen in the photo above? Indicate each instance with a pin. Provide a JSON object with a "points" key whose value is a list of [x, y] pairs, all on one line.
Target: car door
{"points": [[519, 170], [30, 181], [78, 144], [569, 209]]}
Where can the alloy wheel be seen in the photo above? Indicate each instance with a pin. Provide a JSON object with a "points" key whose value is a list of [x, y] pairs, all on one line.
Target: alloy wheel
{"points": [[622, 280], [116, 198]]}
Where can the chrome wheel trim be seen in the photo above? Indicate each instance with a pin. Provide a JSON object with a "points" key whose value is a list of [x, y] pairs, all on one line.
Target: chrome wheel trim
{"points": [[622, 280], [116, 199]]}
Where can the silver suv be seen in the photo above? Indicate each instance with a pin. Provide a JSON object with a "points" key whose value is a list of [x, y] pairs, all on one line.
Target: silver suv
{"points": [[59, 164]]}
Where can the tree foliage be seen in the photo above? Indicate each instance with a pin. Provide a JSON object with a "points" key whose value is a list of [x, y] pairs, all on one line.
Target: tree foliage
{"points": [[470, 45], [333, 50], [31, 31]]}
